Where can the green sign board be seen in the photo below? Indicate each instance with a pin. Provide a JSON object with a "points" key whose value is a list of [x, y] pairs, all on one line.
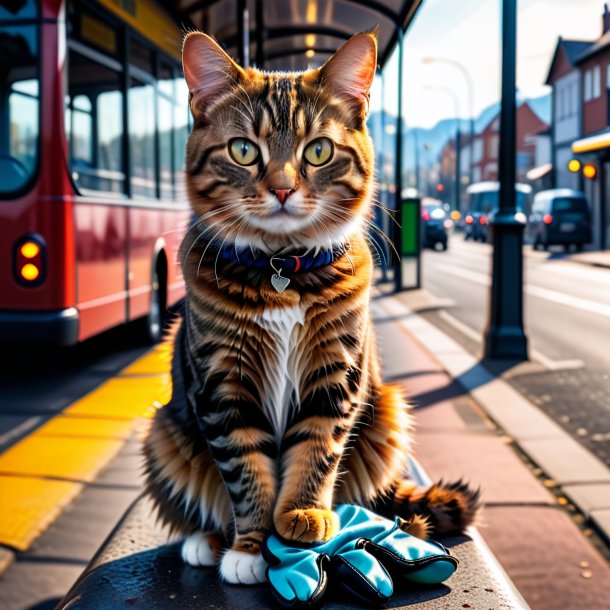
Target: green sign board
{"points": [[410, 222]]}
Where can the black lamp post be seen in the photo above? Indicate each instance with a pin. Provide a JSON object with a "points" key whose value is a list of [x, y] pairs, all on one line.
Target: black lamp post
{"points": [[504, 334]]}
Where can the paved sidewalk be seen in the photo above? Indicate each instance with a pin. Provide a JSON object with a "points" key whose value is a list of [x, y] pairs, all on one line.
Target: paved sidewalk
{"points": [[598, 258], [551, 562]]}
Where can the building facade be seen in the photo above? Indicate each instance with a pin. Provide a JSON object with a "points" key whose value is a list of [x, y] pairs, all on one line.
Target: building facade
{"points": [[567, 116], [530, 126], [594, 144]]}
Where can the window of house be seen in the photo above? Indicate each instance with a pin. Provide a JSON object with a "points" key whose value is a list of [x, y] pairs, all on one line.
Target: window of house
{"points": [[559, 104], [574, 93], [588, 87], [597, 82], [493, 147]]}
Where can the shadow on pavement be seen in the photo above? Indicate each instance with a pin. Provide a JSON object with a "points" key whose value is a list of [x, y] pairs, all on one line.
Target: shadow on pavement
{"points": [[478, 375]]}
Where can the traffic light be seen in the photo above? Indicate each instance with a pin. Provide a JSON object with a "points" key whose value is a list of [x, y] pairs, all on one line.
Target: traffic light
{"points": [[589, 171], [574, 165]]}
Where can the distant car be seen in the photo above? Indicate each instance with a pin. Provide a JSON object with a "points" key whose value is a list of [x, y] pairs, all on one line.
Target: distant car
{"points": [[435, 226], [475, 225], [560, 217], [483, 204]]}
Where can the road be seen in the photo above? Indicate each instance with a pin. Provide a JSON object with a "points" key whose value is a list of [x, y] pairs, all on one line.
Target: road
{"points": [[567, 318]]}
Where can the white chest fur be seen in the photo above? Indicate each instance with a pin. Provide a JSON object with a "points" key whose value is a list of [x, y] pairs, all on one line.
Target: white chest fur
{"points": [[280, 377]]}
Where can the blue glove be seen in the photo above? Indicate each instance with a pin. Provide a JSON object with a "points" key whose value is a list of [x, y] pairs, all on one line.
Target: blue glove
{"points": [[361, 559]]}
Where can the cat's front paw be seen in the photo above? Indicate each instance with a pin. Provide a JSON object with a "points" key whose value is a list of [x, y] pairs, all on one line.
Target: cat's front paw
{"points": [[307, 524], [239, 568], [201, 549]]}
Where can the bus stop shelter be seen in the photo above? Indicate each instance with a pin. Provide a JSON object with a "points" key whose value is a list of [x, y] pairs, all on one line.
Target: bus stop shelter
{"points": [[294, 35]]}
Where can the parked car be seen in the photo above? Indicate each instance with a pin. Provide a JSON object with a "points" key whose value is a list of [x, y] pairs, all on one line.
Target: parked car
{"points": [[560, 217], [483, 204], [435, 225]]}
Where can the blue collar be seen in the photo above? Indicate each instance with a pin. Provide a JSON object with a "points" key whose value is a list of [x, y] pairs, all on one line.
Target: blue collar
{"points": [[282, 261]]}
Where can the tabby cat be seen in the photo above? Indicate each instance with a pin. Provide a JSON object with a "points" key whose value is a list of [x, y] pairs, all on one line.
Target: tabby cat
{"points": [[278, 409]]}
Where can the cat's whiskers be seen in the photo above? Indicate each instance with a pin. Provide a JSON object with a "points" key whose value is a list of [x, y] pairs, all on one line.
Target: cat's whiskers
{"points": [[369, 223], [221, 246], [206, 229], [223, 228]]}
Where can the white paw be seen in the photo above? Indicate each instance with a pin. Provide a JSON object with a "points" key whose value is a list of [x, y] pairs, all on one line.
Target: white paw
{"points": [[197, 550], [238, 568]]}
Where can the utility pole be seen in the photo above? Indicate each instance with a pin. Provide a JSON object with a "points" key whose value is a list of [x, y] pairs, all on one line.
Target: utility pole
{"points": [[504, 334]]}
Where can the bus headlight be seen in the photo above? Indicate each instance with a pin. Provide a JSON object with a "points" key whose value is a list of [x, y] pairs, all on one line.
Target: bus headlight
{"points": [[30, 261]]}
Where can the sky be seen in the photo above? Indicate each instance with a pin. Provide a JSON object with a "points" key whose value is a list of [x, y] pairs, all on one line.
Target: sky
{"points": [[468, 31]]}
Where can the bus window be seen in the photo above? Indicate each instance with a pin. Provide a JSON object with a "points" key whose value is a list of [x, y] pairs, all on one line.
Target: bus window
{"points": [[19, 105], [182, 126], [81, 126], [109, 110], [26, 9], [165, 125], [142, 139], [94, 125]]}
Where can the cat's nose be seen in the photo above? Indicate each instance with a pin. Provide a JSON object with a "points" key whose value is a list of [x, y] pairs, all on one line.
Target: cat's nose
{"points": [[282, 194]]}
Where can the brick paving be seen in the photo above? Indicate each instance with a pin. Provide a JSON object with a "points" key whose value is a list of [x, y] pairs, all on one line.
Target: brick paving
{"points": [[535, 538], [578, 400]]}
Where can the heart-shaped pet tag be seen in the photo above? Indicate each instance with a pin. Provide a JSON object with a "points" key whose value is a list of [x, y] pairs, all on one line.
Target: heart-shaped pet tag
{"points": [[279, 283]]}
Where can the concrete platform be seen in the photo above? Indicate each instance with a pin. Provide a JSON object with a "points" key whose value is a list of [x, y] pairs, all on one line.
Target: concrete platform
{"points": [[536, 540]]}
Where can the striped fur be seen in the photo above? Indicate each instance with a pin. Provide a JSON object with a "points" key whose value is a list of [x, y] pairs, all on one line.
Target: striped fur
{"points": [[278, 409]]}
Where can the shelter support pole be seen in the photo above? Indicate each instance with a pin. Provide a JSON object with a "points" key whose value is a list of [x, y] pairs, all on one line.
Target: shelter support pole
{"points": [[504, 334]]}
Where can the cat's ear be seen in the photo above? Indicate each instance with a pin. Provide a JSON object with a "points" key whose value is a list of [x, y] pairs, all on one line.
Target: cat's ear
{"points": [[350, 71], [209, 72]]}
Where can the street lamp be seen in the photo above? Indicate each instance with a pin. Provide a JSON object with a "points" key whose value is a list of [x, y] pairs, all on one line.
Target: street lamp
{"points": [[458, 145], [504, 333], [470, 86]]}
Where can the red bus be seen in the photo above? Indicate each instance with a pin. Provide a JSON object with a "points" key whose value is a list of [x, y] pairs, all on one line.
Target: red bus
{"points": [[93, 125]]}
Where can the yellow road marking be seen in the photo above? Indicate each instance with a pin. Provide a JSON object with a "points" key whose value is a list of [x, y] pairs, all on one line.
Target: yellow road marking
{"points": [[157, 361], [124, 398], [29, 506], [75, 459], [74, 446], [87, 427]]}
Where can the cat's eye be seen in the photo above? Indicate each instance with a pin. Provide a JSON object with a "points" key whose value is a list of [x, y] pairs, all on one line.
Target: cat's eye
{"points": [[243, 151], [319, 151]]}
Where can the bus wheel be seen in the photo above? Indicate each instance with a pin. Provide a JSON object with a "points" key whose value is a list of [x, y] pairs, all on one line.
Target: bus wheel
{"points": [[152, 325]]}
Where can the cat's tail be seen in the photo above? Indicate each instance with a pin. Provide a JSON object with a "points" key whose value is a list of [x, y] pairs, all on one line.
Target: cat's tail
{"points": [[442, 508]]}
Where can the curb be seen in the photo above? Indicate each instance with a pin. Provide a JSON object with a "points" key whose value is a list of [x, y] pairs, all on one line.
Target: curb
{"points": [[582, 476]]}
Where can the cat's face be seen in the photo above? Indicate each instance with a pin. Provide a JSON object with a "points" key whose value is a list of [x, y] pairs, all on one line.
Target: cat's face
{"points": [[279, 159]]}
